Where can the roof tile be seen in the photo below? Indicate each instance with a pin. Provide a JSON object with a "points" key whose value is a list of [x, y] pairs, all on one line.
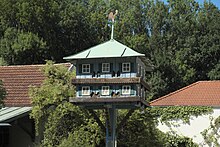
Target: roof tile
{"points": [[17, 80], [201, 93]]}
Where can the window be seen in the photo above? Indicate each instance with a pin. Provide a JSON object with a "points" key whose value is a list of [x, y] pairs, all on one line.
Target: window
{"points": [[126, 89], [85, 90], [105, 67], [126, 67], [105, 90], [85, 68]]}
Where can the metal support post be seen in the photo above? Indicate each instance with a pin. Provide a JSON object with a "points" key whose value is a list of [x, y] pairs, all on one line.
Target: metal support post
{"points": [[111, 135]]}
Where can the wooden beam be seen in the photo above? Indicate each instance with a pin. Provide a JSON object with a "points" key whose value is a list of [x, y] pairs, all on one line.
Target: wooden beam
{"points": [[130, 80], [97, 120], [124, 120]]}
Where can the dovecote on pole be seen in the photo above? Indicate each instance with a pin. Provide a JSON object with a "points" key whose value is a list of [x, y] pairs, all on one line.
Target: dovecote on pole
{"points": [[110, 76]]}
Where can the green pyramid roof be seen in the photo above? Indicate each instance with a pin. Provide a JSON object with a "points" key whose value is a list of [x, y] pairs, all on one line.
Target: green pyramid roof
{"points": [[111, 48]]}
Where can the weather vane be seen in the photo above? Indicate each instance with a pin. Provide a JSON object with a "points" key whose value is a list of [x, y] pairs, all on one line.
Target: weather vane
{"points": [[111, 17]]}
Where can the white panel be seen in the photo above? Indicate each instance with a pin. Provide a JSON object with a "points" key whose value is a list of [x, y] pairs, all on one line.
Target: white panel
{"points": [[194, 129]]}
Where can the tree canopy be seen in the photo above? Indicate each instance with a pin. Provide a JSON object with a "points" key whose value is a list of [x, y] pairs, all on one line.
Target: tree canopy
{"points": [[2, 94], [66, 125], [181, 38]]}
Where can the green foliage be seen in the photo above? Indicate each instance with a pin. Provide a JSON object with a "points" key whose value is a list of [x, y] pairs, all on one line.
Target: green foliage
{"points": [[173, 140], [17, 45], [140, 129], [179, 112], [2, 62], [2, 94], [87, 135], [214, 74], [211, 134], [183, 44], [67, 125], [181, 38], [52, 110]]}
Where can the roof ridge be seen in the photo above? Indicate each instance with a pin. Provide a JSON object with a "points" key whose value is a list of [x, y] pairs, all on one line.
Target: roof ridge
{"points": [[88, 49], [209, 81], [177, 91], [32, 65]]}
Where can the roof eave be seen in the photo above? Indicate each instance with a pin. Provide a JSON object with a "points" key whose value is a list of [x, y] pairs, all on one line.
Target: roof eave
{"points": [[70, 58]]}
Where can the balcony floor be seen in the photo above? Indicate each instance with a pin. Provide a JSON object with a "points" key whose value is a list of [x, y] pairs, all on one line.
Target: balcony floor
{"points": [[102, 103]]}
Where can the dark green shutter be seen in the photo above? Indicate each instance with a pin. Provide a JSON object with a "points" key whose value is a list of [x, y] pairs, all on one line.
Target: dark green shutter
{"points": [[111, 67], [110, 90], [100, 67], [118, 72], [91, 89], [91, 68], [80, 68], [80, 90], [132, 90], [120, 90], [100, 91], [132, 67], [120, 67]]}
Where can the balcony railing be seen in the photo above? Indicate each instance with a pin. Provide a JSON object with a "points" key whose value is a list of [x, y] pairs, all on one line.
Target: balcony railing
{"points": [[133, 80]]}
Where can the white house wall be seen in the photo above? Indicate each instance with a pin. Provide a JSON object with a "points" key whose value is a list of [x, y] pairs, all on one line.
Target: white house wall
{"points": [[194, 128]]}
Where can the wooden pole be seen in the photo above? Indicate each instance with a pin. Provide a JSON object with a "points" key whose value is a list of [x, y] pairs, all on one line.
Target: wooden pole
{"points": [[111, 136]]}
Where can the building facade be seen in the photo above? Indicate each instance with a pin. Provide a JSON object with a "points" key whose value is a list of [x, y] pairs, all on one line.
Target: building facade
{"points": [[110, 70], [201, 93]]}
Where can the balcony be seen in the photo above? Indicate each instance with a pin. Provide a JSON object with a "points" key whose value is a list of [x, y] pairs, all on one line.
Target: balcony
{"points": [[133, 80], [102, 103]]}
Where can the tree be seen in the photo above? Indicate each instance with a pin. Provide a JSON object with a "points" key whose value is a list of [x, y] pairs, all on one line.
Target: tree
{"points": [[68, 125], [17, 45], [2, 94], [51, 108]]}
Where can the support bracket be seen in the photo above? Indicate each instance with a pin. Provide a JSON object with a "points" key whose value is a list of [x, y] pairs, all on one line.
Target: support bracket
{"points": [[124, 120], [97, 119]]}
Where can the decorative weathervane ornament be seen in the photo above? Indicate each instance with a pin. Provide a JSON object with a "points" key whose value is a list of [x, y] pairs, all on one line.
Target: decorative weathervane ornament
{"points": [[111, 17]]}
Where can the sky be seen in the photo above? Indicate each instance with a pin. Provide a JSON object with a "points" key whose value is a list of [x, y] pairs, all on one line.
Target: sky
{"points": [[216, 2]]}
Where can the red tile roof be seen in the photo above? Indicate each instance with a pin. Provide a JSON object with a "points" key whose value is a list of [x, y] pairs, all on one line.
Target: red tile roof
{"points": [[202, 93], [17, 80]]}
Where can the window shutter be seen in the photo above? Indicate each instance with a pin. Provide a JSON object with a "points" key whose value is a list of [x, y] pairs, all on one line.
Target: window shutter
{"points": [[100, 67], [80, 90], [100, 89], [120, 67], [111, 67], [132, 90], [110, 90], [120, 90], [132, 67], [91, 68], [119, 70], [80, 68]]}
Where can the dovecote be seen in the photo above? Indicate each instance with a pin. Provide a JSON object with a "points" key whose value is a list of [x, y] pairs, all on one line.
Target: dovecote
{"points": [[109, 73]]}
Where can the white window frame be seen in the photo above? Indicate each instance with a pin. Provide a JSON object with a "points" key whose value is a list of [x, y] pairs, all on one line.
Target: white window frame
{"points": [[105, 67], [85, 68], [127, 91], [85, 90], [126, 67], [105, 90]]}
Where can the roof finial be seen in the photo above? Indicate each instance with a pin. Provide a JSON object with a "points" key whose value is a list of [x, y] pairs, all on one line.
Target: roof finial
{"points": [[111, 17]]}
